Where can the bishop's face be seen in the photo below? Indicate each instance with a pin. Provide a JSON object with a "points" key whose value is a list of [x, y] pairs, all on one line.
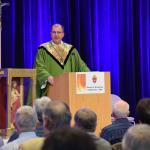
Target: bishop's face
{"points": [[57, 34]]}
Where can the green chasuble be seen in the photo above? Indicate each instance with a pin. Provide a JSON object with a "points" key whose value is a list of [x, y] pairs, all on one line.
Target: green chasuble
{"points": [[54, 60]]}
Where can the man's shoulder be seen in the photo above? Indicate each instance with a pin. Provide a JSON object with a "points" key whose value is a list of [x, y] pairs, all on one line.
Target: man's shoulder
{"points": [[51, 43], [35, 143], [106, 131], [37, 139], [100, 142], [9, 146], [108, 127], [114, 127], [103, 144], [67, 44], [44, 44]]}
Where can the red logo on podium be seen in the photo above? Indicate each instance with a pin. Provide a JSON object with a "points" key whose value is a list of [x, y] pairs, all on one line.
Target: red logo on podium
{"points": [[94, 78]]}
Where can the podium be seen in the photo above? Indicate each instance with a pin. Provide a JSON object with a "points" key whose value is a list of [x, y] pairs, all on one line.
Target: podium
{"points": [[65, 89], [10, 78]]}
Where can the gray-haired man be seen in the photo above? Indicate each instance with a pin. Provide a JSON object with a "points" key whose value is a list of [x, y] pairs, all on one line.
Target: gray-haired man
{"points": [[25, 123], [137, 138]]}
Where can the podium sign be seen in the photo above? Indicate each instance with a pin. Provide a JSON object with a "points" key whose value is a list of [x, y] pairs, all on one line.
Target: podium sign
{"points": [[90, 82]]}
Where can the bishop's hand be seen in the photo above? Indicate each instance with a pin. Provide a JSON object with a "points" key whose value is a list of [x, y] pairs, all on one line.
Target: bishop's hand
{"points": [[51, 80]]}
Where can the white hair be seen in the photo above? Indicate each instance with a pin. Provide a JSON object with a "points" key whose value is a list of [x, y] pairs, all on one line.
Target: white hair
{"points": [[26, 119], [137, 138], [121, 109], [40, 105]]}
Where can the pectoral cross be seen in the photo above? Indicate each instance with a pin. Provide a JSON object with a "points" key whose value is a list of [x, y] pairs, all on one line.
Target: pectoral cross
{"points": [[1, 5]]}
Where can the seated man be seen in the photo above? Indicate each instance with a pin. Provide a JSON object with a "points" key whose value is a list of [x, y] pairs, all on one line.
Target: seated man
{"points": [[137, 138], [56, 115], [39, 107], [69, 139], [25, 123], [114, 132], [143, 111], [86, 120]]}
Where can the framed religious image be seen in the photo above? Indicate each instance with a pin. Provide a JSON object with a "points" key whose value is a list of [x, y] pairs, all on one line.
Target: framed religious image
{"points": [[16, 97], [13, 87]]}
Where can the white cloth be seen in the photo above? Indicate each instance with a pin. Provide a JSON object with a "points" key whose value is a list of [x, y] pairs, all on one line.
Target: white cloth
{"points": [[14, 145]]}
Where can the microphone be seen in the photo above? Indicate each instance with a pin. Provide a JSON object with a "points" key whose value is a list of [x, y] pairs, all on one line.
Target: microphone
{"points": [[76, 62]]}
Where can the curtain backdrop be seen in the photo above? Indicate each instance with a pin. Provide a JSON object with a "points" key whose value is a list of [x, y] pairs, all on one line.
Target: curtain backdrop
{"points": [[110, 35]]}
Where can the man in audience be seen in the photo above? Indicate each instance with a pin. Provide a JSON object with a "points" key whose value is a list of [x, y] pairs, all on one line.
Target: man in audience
{"points": [[56, 115], [39, 107], [137, 138], [69, 139], [25, 123], [114, 132], [143, 111], [86, 119]]}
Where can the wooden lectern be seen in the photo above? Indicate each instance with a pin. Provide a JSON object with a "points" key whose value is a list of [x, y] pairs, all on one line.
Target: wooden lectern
{"points": [[65, 89]]}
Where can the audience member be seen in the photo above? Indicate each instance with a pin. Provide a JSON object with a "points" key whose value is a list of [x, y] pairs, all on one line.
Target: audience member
{"points": [[25, 123], [56, 115], [143, 110], [69, 139], [86, 119], [39, 107], [114, 132], [137, 138]]}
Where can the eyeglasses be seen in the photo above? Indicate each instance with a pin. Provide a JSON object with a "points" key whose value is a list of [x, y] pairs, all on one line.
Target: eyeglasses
{"points": [[56, 32]]}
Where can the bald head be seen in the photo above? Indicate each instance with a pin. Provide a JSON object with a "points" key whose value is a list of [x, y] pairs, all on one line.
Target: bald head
{"points": [[137, 138], [56, 106], [86, 119], [57, 26], [57, 114], [121, 109]]}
